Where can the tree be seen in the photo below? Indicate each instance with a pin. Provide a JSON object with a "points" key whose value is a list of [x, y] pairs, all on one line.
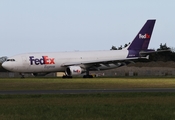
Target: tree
{"points": [[113, 48], [163, 47]]}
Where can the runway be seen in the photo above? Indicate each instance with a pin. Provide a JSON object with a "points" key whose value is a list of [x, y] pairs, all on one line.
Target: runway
{"points": [[85, 91]]}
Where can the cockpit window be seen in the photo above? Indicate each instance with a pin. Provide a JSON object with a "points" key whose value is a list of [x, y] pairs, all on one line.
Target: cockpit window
{"points": [[10, 59]]}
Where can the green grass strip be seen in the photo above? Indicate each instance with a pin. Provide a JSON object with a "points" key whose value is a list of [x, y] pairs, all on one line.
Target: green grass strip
{"points": [[80, 83], [119, 106]]}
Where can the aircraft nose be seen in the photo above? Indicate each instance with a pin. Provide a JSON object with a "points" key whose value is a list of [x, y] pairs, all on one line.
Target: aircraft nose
{"points": [[7, 66]]}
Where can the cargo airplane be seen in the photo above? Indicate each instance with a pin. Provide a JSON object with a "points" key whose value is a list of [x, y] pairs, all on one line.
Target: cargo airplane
{"points": [[77, 63]]}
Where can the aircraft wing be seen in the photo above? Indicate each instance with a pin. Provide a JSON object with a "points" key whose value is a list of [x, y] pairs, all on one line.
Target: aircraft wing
{"points": [[97, 63]]}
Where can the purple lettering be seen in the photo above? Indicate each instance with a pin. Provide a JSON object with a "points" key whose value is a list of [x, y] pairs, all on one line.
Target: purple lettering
{"points": [[37, 61], [43, 60], [31, 60]]}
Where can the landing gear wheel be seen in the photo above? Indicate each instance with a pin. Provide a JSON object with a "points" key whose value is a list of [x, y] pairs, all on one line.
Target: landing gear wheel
{"points": [[65, 76], [22, 75], [87, 76]]}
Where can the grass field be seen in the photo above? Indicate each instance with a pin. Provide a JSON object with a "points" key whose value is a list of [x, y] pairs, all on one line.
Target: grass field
{"points": [[80, 83], [113, 106], [119, 106]]}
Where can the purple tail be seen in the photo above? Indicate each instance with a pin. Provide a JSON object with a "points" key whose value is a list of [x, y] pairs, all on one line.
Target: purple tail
{"points": [[142, 39]]}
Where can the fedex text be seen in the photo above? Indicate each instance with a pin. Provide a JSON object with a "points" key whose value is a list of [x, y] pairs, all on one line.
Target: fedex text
{"points": [[76, 71], [145, 36], [44, 60]]}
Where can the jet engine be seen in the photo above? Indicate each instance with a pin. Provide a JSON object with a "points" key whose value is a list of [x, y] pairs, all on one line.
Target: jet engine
{"points": [[74, 70]]}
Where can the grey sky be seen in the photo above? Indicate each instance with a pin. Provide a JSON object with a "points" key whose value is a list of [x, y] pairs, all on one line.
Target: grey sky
{"points": [[68, 25]]}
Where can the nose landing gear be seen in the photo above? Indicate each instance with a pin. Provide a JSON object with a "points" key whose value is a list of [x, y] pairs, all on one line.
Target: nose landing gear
{"points": [[22, 75]]}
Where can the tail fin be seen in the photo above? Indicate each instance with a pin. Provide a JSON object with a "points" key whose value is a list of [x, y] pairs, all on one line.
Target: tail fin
{"points": [[142, 39]]}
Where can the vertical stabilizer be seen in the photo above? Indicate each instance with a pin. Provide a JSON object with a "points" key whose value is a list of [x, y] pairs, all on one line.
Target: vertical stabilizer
{"points": [[142, 39]]}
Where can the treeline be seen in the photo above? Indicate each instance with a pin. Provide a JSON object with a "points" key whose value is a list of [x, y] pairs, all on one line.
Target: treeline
{"points": [[163, 53]]}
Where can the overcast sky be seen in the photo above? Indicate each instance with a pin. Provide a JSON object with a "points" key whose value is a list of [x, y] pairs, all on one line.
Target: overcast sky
{"points": [[69, 25]]}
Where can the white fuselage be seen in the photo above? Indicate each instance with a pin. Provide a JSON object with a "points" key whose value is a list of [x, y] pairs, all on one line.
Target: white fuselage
{"points": [[56, 62]]}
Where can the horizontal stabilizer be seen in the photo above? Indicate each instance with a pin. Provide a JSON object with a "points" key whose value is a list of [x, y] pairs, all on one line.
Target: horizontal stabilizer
{"points": [[144, 53]]}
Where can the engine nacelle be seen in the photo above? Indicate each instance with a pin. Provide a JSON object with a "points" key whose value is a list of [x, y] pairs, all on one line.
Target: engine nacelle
{"points": [[39, 74], [74, 70]]}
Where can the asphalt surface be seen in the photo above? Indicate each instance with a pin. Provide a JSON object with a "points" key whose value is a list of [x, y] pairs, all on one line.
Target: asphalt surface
{"points": [[87, 91]]}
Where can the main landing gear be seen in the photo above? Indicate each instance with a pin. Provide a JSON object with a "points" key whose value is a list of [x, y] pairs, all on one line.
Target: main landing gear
{"points": [[66, 76], [84, 76], [87, 75]]}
